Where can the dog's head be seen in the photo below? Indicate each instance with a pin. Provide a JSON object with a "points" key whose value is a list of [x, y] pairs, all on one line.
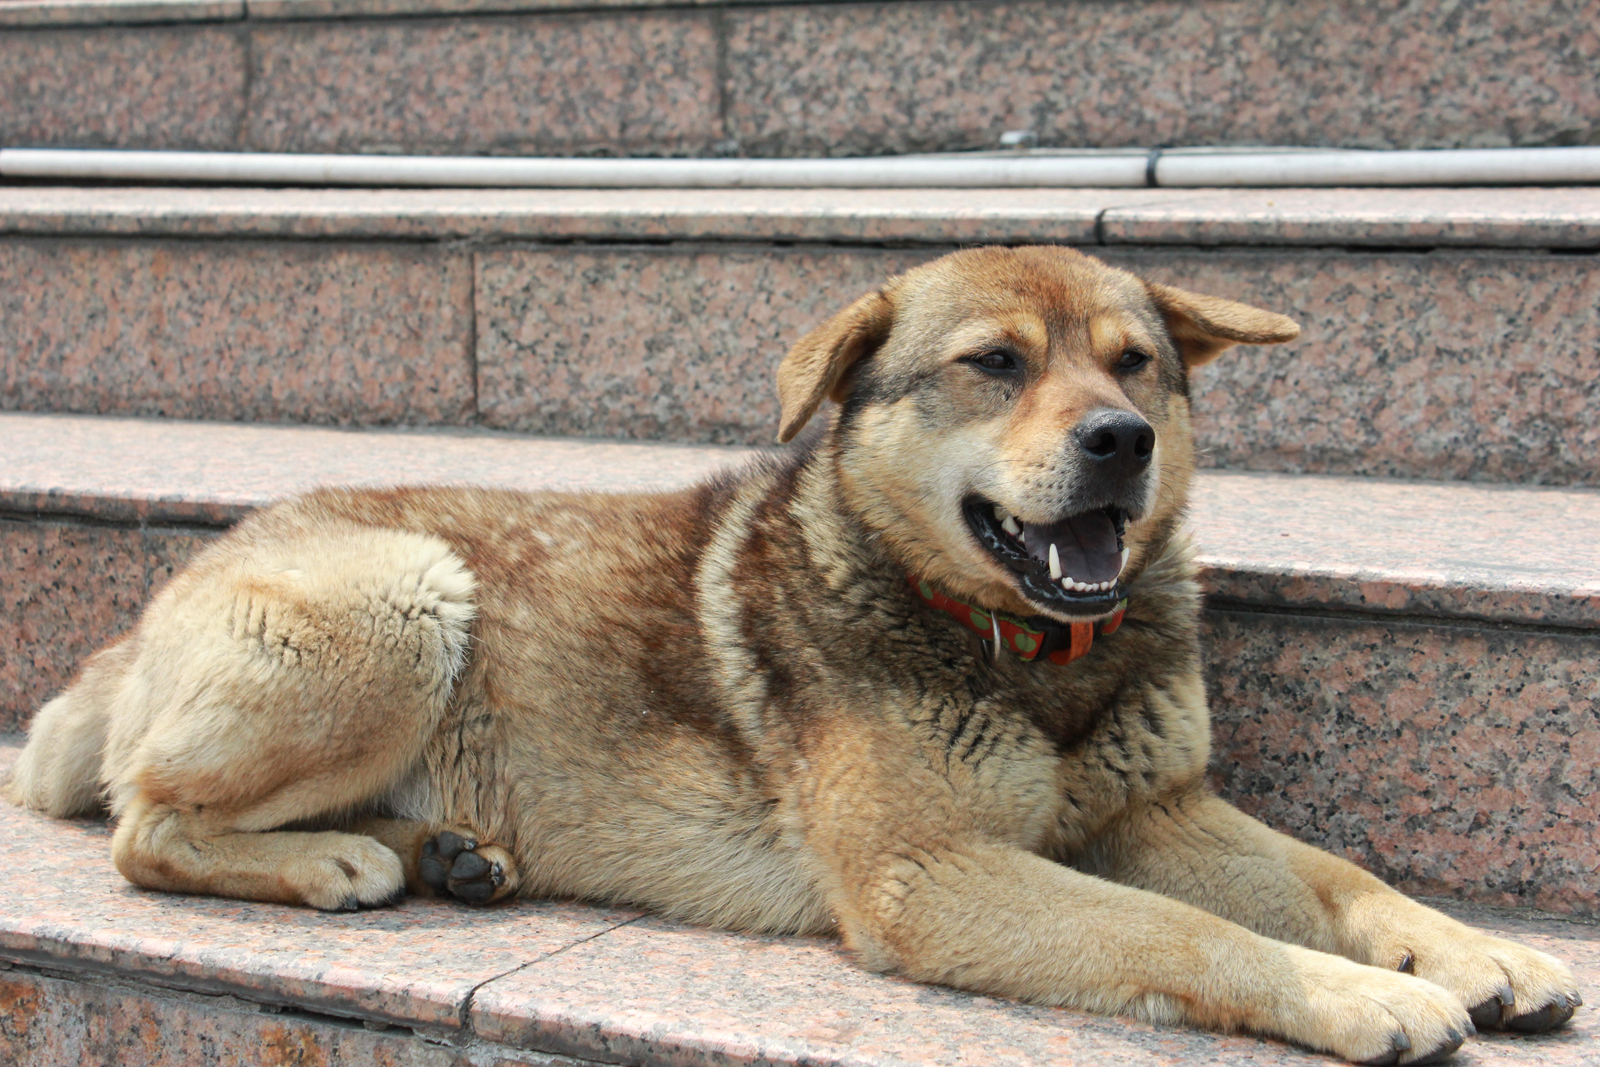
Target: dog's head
{"points": [[1014, 423]]}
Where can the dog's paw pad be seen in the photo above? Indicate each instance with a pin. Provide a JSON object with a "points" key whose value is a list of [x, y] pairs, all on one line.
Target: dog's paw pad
{"points": [[1487, 1015], [1556, 1013], [458, 865], [1400, 1051]]}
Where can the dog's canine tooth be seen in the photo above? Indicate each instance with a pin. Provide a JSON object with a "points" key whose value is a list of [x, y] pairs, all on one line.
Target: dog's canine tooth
{"points": [[1009, 524], [1055, 563], [1124, 560]]}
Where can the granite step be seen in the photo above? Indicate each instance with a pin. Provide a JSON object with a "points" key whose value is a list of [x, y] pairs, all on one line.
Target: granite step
{"points": [[1403, 672], [702, 77], [1449, 333], [93, 970]]}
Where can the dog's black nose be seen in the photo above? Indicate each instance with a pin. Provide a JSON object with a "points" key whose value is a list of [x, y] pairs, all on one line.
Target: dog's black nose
{"points": [[1118, 443]]}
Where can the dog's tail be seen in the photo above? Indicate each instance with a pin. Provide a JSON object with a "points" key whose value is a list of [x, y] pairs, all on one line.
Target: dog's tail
{"points": [[58, 772]]}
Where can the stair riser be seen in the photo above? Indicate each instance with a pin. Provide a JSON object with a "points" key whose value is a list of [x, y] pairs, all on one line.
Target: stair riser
{"points": [[1449, 760], [826, 79], [294, 332], [51, 1021], [1462, 365], [1407, 747]]}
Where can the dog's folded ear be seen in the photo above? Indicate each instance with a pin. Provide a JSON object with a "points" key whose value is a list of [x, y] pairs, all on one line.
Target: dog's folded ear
{"points": [[819, 364], [1203, 326]]}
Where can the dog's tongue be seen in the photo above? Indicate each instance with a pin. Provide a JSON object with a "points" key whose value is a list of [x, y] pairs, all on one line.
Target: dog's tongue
{"points": [[1086, 544]]}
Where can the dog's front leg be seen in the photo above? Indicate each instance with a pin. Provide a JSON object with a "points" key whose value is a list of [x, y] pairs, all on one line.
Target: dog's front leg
{"points": [[1196, 847], [996, 919], [446, 861], [917, 886]]}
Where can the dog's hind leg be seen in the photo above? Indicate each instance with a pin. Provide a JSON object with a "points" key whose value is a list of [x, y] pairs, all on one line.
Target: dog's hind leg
{"points": [[178, 848], [284, 682]]}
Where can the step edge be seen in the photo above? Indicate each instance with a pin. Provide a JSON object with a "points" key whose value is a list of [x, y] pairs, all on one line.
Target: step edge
{"points": [[1202, 218], [1331, 591]]}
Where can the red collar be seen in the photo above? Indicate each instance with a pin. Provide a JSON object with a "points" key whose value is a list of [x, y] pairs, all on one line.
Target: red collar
{"points": [[1060, 643]]}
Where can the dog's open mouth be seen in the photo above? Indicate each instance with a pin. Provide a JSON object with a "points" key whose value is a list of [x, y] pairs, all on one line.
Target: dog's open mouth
{"points": [[1071, 566]]}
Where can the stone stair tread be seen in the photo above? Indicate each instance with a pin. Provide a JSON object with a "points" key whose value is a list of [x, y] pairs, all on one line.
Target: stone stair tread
{"points": [[1519, 555], [139, 12], [604, 983], [20, 13], [1561, 217]]}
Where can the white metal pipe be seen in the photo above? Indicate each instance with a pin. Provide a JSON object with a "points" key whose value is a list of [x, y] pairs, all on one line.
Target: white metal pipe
{"points": [[439, 171], [1471, 166], [1175, 168]]}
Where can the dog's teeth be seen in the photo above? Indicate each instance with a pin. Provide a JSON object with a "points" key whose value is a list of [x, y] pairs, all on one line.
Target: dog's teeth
{"points": [[1055, 563], [1011, 526], [1124, 560]]}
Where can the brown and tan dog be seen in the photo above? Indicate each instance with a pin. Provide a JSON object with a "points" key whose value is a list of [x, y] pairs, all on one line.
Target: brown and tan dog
{"points": [[760, 703]]}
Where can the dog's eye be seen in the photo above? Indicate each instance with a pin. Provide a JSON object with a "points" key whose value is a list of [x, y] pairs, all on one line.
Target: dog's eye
{"points": [[1132, 360], [996, 361]]}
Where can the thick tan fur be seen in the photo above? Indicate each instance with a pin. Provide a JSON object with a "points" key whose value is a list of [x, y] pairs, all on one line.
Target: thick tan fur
{"points": [[725, 704]]}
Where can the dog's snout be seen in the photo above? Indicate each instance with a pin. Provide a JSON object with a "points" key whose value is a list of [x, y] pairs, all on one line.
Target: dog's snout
{"points": [[1119, 443]]}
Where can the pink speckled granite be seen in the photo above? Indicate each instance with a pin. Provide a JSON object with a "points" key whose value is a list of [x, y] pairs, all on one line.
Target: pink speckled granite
{"points": [[48, 1021], [535, 85], [64, 591], [1450, 365], [308, 9], [416, 964], [1456, 365], [869, 79], [849, 216], [113, 12], [168, 471], [699, 997], [619, 989], [1481, 218], [1498, 553], [303, 332], [176, 88], [51, 1022], [649, 344], [1446, 759], [784, 80], [696, 998], [1560, 217]]}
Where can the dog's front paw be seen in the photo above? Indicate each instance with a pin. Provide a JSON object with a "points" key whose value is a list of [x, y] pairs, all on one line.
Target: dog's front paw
{"points": [[1372, 1016], [1504, 985], [454, 863]]}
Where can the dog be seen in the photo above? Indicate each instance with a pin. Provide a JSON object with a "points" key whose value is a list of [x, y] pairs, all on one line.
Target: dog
{"points": [[930, 682]]}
